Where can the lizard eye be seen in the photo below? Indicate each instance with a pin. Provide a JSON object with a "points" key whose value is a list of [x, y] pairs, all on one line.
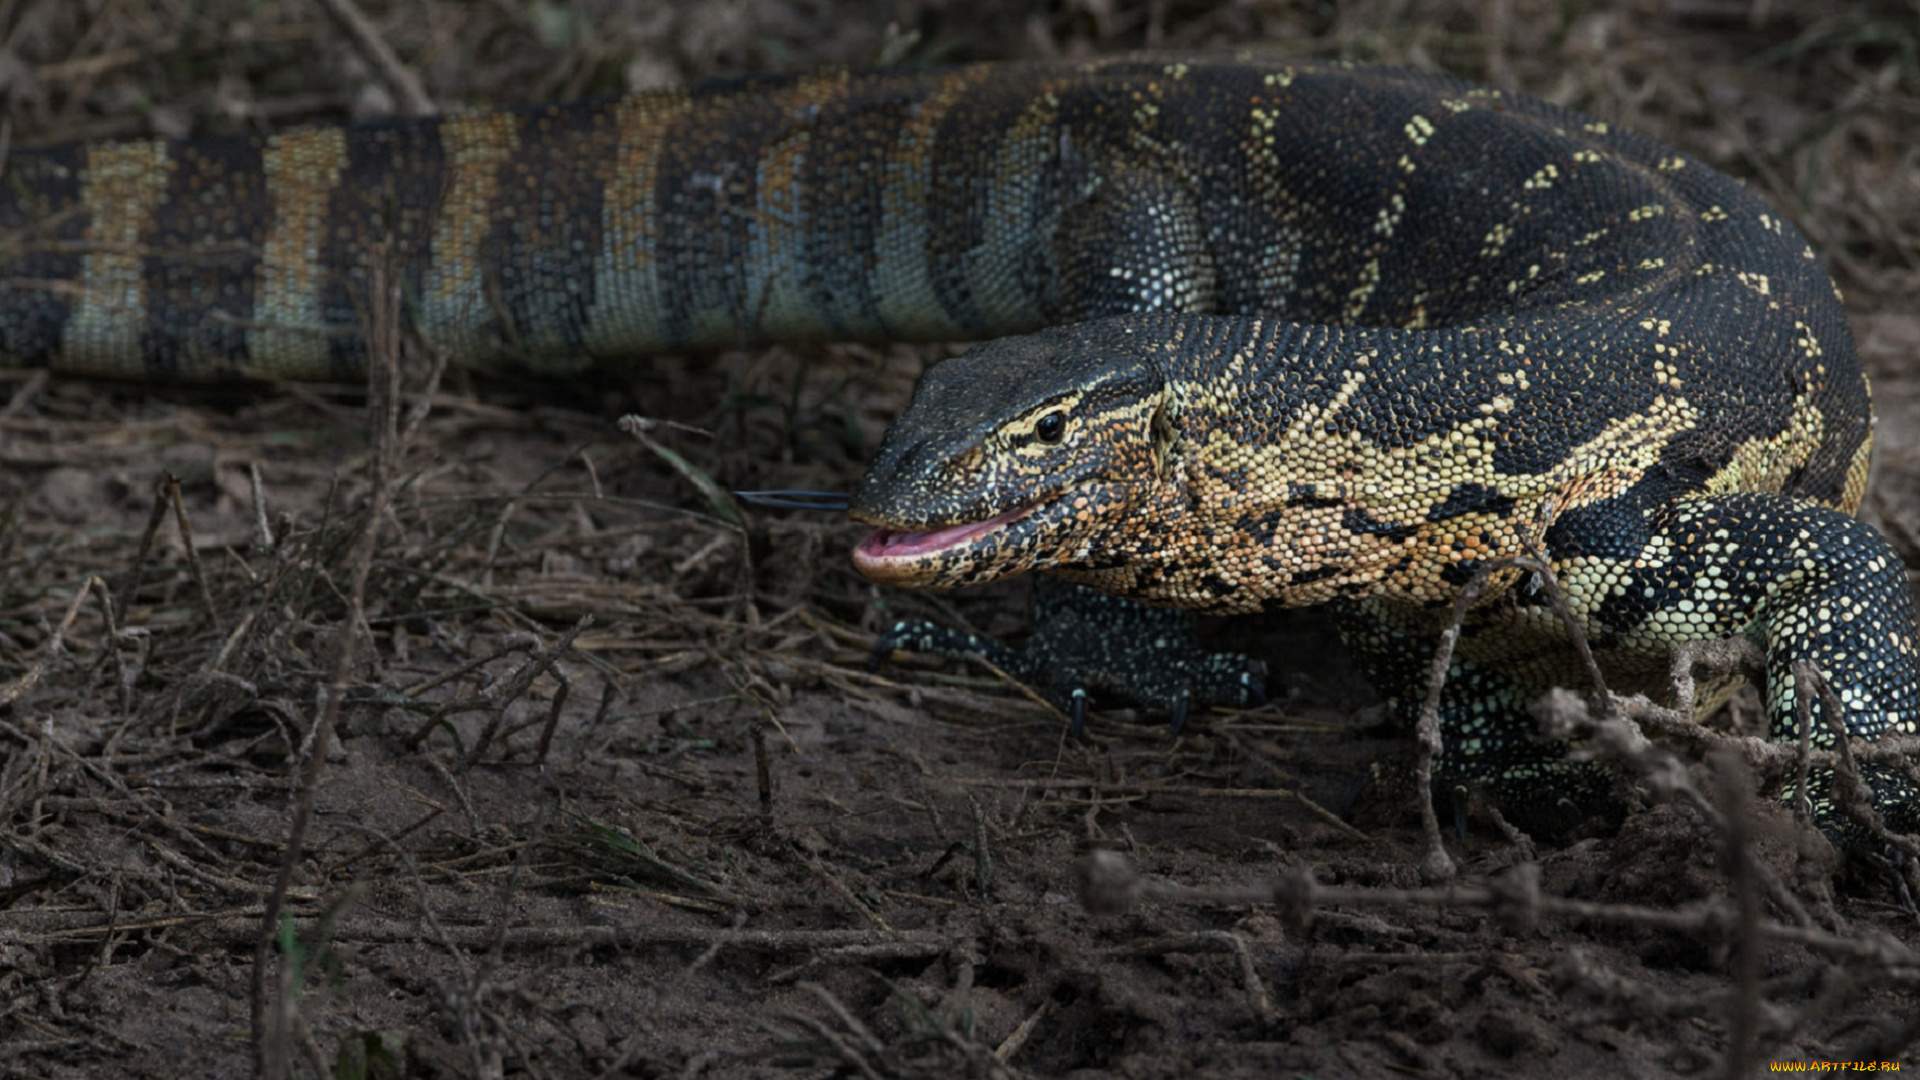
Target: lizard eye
{"points": [[1051, 428]]}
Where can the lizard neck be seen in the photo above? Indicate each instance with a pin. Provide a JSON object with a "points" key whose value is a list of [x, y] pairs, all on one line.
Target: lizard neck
{"points": [[1297, 471]]}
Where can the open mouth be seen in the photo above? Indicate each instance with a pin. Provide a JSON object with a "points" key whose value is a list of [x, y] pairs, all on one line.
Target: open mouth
{"points": [[895, 554]]}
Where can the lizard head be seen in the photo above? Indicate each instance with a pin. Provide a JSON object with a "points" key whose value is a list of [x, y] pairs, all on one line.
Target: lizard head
{"points": [[1016, 455]]}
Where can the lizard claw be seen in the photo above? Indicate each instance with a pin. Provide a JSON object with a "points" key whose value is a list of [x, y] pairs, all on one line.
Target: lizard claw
{"points": [[1077, 711]]}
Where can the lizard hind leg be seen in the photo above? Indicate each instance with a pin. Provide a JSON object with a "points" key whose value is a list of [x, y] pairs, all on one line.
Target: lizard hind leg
{"points": [[1808, 583], [1814, 586]]}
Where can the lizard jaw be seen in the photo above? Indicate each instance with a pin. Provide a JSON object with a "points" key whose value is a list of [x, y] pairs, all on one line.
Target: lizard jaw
{"points": [[903, 557]]}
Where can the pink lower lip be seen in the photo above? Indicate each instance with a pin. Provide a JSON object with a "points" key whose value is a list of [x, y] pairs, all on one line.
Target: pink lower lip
{"points": [[888, 544]]}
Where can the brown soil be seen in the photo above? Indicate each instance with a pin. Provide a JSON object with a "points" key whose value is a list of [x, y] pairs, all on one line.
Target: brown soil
{"points": [[694, 836]]}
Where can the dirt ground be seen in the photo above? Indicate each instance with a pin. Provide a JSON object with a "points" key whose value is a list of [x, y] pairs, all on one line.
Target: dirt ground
{"points": [[609, 790]]}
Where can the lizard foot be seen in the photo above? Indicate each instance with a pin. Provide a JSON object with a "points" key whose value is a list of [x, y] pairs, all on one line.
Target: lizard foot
{"points": [[1087, 645]]}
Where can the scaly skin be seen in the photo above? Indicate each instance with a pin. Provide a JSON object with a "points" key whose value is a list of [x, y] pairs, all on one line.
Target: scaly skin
{"points": [[1432, 324], [1667, 404], [1233, 465], [901, 205]]}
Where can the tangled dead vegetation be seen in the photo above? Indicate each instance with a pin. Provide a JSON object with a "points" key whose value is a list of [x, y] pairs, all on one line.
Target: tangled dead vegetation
{"points": [[437, 728]]}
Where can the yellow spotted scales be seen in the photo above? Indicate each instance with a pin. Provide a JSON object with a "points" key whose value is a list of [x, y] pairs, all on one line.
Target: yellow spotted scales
{"points": [[1333, 334]]}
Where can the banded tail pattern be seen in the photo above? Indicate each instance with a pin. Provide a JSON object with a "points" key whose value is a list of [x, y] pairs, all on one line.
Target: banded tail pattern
{"points": [[771, 210], [895, 205]]}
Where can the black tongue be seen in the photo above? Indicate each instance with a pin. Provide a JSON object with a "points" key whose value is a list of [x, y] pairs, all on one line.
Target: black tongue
{"points": [[833, 502]]}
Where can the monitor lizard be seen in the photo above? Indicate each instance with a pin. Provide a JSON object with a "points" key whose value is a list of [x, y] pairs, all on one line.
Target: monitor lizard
{"points": [[1323, 334]]}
